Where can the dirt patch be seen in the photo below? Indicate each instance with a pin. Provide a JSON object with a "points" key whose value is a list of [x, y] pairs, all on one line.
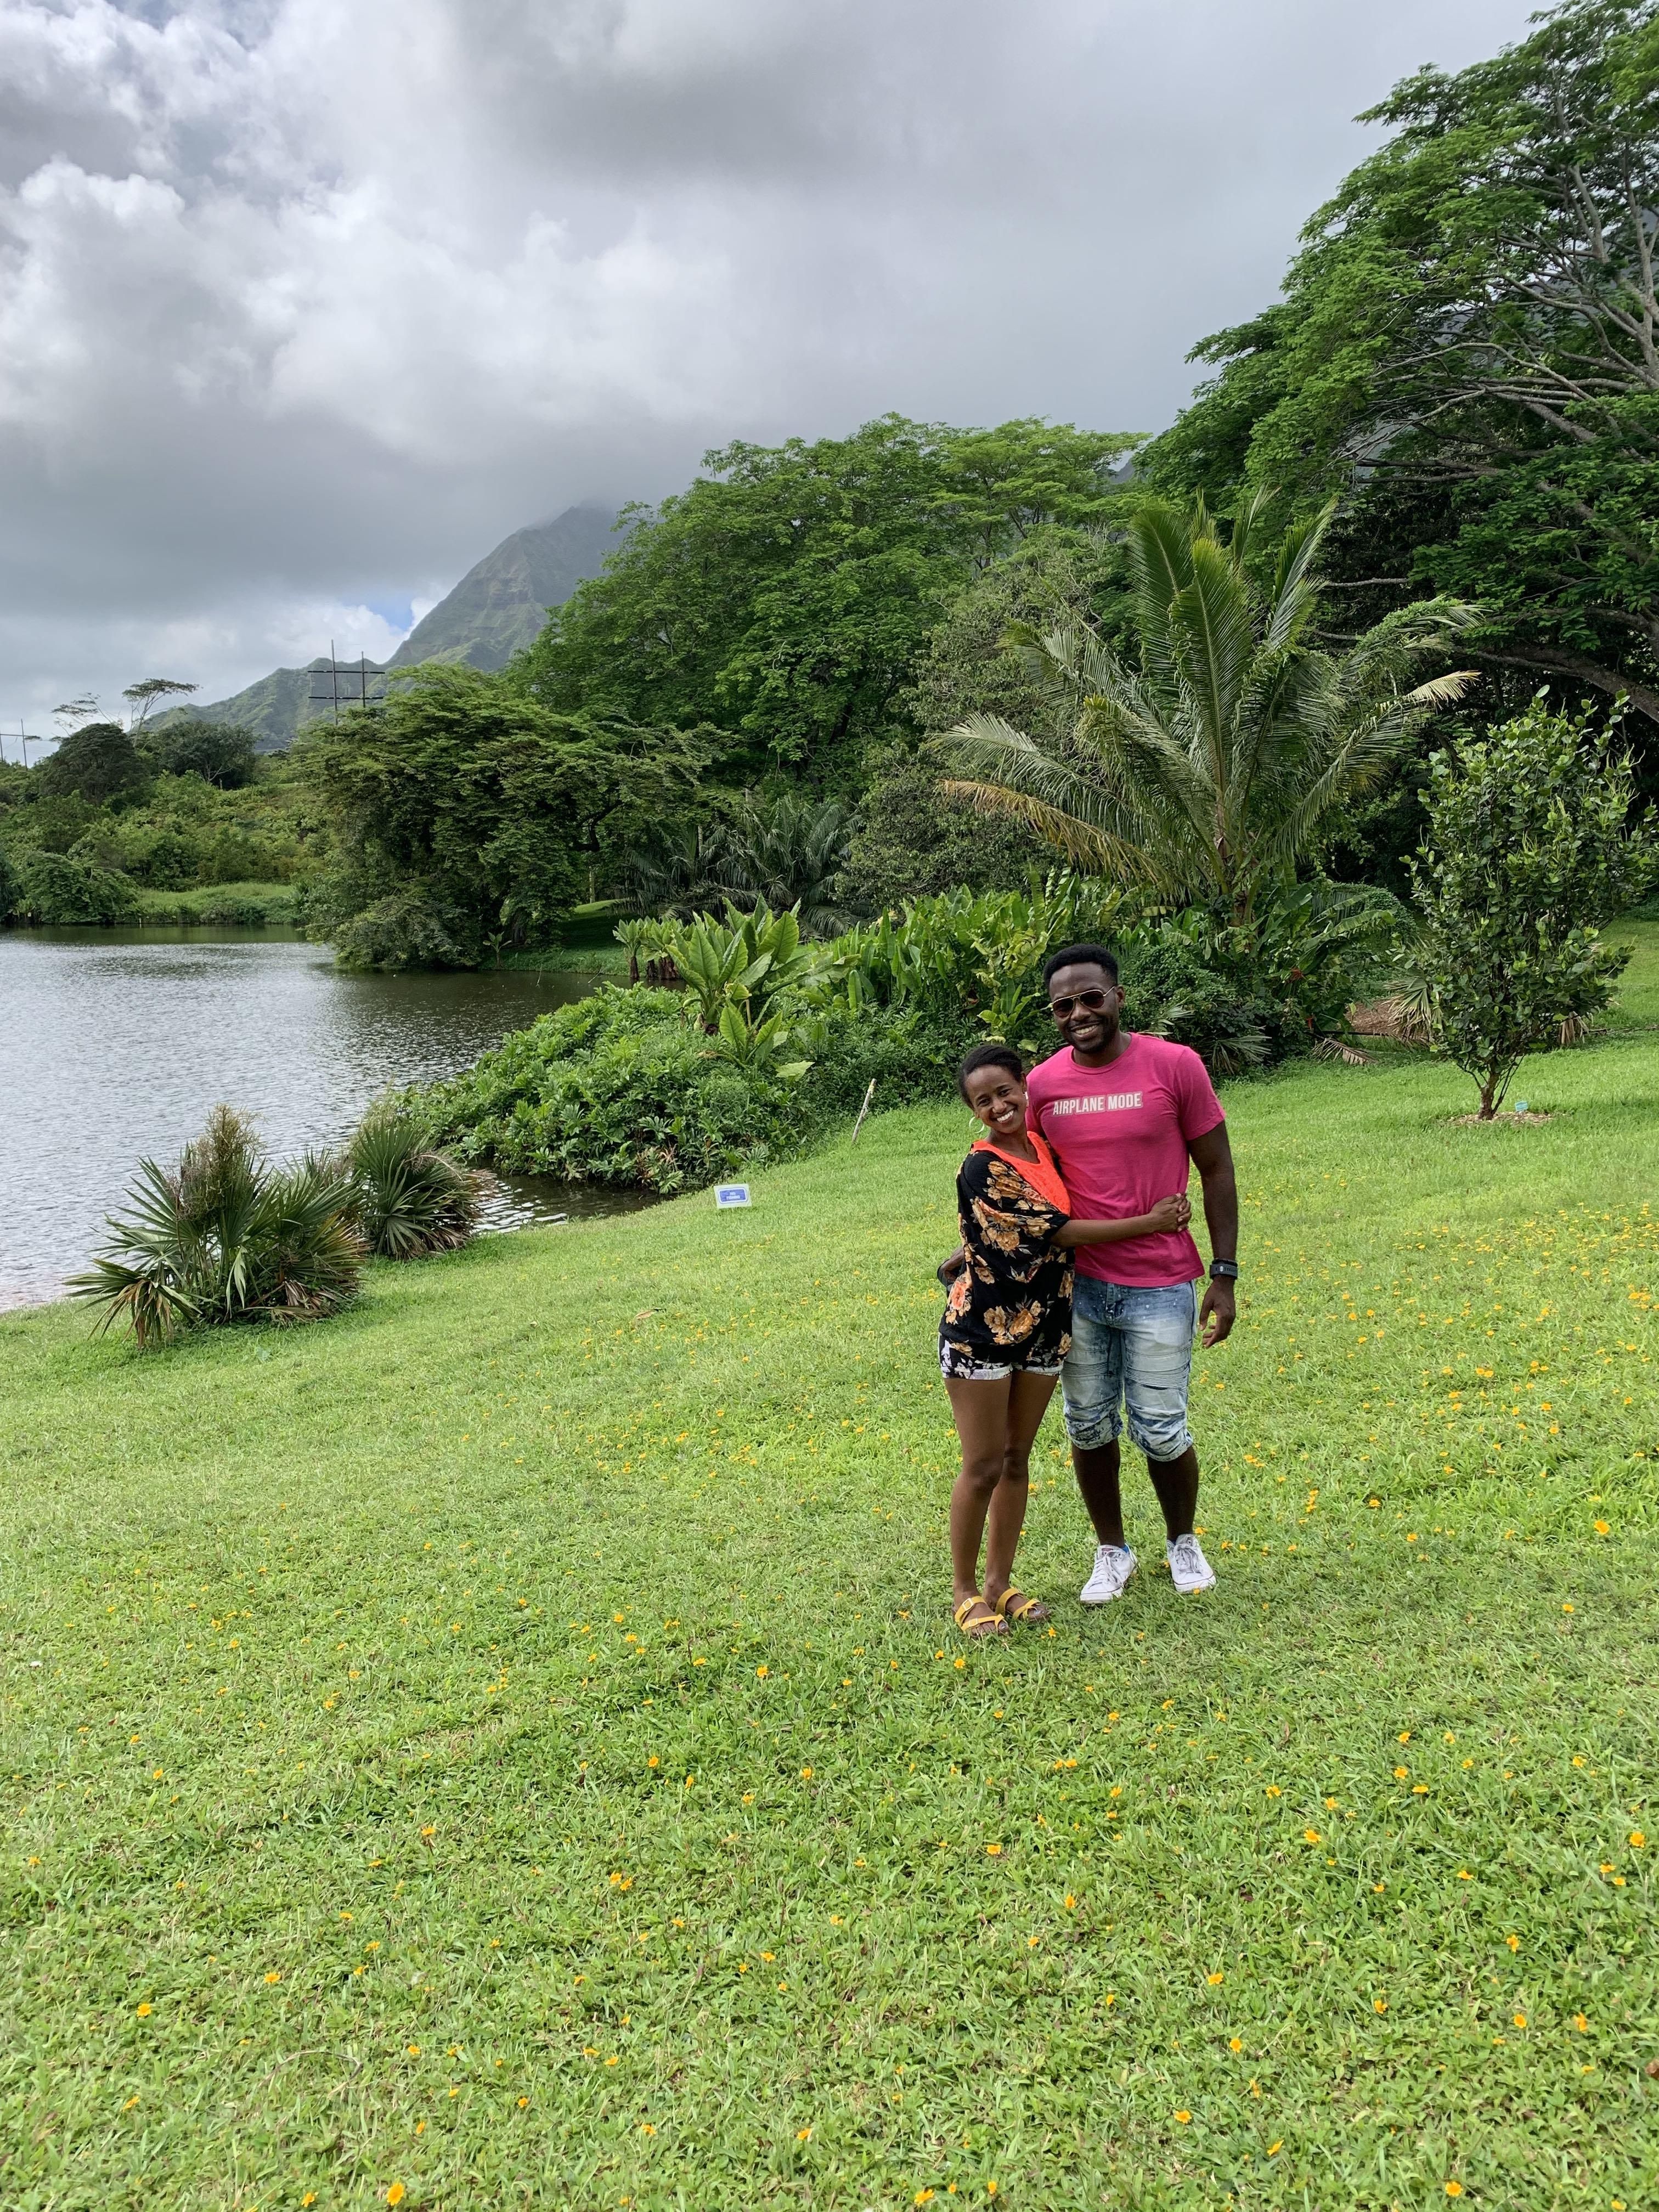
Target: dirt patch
{"points": [[1499, 1121]]}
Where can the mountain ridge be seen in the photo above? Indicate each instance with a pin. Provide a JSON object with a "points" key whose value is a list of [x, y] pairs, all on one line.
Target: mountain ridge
{"points": [[495, 610]]}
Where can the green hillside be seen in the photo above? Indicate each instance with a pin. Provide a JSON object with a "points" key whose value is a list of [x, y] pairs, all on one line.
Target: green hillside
{"points": [[500, 606]]}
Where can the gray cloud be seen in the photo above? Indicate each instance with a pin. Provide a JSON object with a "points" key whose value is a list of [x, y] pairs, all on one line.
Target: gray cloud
{"points": [[305, 303]]}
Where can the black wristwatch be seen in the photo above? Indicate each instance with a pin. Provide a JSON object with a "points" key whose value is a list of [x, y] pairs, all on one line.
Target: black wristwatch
{"points": [[1225, 1270]]}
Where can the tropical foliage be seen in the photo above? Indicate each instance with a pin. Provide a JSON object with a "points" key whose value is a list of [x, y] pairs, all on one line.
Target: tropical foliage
{"points": [[224, 1236], [782, 602], [468, 817], [407, 1198], [1530, 852], [1206, 768], [1465, 351], [784, 851]]}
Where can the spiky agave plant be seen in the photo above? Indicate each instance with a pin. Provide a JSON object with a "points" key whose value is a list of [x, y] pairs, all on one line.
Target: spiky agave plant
{"points": [[408, 1199], [224, 1236]]}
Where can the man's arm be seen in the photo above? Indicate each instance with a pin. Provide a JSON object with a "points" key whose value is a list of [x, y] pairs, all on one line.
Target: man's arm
{"points": [[1212, 1156]]}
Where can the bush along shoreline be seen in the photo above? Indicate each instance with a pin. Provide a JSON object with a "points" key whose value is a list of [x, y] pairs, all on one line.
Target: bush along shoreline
{"points": [[738, 1043]]}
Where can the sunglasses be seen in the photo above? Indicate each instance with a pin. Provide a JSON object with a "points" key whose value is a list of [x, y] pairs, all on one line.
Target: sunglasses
{"points": [[1090, 1002]]}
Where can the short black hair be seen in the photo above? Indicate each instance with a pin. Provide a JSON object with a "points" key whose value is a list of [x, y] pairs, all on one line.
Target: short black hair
{"points": [[988, 1055], [1078, 956]]}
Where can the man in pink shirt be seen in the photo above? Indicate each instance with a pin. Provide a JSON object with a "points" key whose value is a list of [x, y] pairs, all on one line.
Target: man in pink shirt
{"points": [[1124, 1114]]}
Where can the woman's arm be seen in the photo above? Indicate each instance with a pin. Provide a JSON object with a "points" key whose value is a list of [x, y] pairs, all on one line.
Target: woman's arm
{"points": [[1169, 1213]]}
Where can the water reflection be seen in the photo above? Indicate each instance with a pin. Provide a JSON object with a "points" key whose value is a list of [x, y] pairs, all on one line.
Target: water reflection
{"points": [[114, 1044]]}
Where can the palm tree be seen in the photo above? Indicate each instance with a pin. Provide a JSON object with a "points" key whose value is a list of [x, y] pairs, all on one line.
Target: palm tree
{"points": [[789, 852], [1206, 773]]}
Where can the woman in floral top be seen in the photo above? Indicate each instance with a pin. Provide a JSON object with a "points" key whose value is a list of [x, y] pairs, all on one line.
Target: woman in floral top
{"points": [[1007, 1326]]}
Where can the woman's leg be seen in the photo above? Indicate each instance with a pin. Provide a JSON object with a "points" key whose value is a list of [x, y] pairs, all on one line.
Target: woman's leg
{"points": [[981, 1413], [1028, 1401]]}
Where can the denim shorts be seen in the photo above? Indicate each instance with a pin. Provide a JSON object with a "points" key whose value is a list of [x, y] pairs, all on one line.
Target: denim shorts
{"points": [[1132, 1349]]}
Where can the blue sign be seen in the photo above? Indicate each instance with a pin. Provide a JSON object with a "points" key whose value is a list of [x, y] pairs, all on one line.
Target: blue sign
{"points": [[731, 1193]]}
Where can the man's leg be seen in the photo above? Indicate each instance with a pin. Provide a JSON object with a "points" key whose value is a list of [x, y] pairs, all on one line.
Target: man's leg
{"points": [[1176, 1482], [1158, 1327], [1093, 1379], [1099, 1470]]}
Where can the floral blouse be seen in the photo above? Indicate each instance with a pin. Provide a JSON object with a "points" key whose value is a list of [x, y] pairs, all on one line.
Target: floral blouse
{"points": [[1015, 1289]]}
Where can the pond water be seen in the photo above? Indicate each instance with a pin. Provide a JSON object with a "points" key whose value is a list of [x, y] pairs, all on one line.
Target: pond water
{"points": [[114, 1044]]}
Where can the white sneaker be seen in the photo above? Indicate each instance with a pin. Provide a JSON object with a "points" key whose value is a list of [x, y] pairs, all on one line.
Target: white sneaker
{"points": [[1189, 1569], [1114, 1564]]}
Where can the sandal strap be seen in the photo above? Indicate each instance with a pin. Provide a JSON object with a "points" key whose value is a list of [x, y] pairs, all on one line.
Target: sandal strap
{"points": [[989, 1626], [1026, 1606]]}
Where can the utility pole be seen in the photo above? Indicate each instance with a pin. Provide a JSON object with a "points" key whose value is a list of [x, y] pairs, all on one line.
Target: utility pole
{"points": [[330, 697]]}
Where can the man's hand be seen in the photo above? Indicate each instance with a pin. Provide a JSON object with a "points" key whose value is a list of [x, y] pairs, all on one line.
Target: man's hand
{"points": [[1218, 1313], [952, 1267]]}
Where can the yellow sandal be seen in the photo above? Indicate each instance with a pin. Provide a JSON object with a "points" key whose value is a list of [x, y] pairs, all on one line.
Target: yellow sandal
{"points": [[991, 1625], [1027, 1608]]}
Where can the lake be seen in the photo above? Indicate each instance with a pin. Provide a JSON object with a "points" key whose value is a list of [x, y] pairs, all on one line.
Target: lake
{"points": [[114, 1044]]}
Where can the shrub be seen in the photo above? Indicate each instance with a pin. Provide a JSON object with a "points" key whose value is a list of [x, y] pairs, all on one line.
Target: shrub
{"points": [[625, 1088], [95, 763], [60, 892], [225, 1237], [234, 912], [407, 1200], [1528, 852]]}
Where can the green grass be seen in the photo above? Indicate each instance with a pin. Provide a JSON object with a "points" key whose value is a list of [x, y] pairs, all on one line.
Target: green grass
{"points": [[508, 1745], [169, 905]]}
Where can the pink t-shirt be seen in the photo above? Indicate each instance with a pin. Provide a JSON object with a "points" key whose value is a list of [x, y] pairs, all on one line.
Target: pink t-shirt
{"points": [[1120, 1133]]}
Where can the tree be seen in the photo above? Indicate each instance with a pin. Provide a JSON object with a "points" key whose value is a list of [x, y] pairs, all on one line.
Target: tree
{"points": [[1467, 352], [221, 753], [784, 600], [468, 815], [911, 840], [1207, 770], [141, 698], [95, 763], [1529, 853]]}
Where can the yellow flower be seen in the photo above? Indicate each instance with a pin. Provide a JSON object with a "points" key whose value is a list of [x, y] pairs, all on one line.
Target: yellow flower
{"points": [[922, 2197], [1454, 2188], [1637, 1839], [1070, 1905], [145, 2010], [396, 2194], [273, 1977], [806, 1774], [1310, 1835], [1405, 1735], [993, 1850], [1602, 1529], [646, 2127], [1274, 2149], [760, 1671], [1400, 1772], [1580, 2023], [1235, 2043], [1379, 2004], [1183, 2117], [414, 2049], [1519, 2019], [803, 2134], [1215, 1980], [1274, 1789]]}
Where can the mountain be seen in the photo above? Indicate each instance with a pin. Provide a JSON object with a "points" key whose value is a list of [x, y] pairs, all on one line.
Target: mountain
{"points": [[497, 607]]}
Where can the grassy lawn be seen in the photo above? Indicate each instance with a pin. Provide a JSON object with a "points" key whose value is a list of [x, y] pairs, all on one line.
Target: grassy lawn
{"points": [[169, 905], [508, 1745]]}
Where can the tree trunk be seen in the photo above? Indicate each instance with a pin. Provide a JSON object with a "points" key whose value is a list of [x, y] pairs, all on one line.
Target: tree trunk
{"points": [[1488, 1102]]}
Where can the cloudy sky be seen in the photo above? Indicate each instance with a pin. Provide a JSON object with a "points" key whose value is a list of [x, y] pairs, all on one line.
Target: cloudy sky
{"points": [[305, 303]]}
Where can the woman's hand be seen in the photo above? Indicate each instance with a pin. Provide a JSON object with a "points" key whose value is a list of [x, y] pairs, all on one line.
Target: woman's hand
{"points": [[1170, 1213], [951, 1268]]}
